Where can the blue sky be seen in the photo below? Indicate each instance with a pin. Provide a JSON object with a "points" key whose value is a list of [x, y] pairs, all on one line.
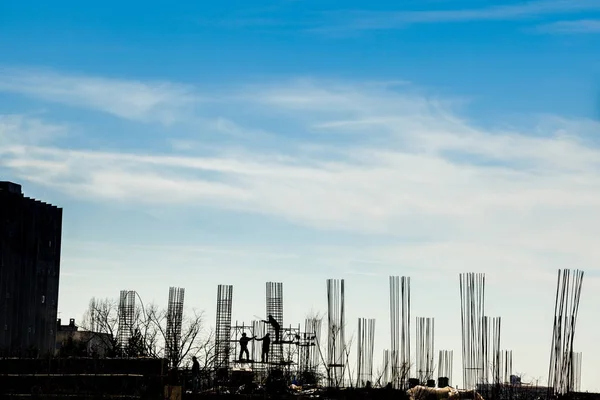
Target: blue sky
{"points": [[194, 144]]}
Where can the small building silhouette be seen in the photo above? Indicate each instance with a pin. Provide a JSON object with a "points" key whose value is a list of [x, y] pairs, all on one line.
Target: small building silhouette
{"points": [[70, 341]]}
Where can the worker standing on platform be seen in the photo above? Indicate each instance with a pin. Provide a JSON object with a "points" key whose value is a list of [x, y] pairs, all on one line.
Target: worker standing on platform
{"points": [[276, 327], [265, 347], [244, 347], [195, 374]]}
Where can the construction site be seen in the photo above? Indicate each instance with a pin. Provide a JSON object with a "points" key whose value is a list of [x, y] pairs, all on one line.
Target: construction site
{"points": [[266, 358], [314, 354]]}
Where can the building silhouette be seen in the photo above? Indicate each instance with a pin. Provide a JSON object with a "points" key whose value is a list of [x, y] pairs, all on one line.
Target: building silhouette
{"points": [[30, 243], [70, 341]]}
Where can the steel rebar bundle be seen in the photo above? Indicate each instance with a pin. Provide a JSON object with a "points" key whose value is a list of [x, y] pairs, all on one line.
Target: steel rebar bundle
{"points": [[386, 374], [507, 366], [425, 349], [174, 322], [258, 330], [576, 372], [568, 294], [95, 323], [223, 325], [310, 342], [336, 354], [274, 303], [445, 362], [490, 350], [126, 319], [366, 344], [400, 330], [472, 301], [394, 325], [483, 371], [496, 352]]}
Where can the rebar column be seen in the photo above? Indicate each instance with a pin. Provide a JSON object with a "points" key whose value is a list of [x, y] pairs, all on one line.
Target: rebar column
{"points": [[336, 354], [496, 351], [126, 320], [174, 322], [445, 363], [387, 366], [472, 301], [366, 342], [223, 326], [309, 343], [400, 331], [274, 307], [507, 365], [425, 349], [566, 308], [576, 372]]}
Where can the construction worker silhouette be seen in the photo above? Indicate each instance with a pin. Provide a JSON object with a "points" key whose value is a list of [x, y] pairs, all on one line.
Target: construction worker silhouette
{"points": [[244, 346], [276, 327], [265, 347]]}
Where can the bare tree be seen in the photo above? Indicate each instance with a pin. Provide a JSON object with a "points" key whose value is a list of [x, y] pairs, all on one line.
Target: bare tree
{"points": [[347, 367], [206, 351], [102, 318], [149, 334], [191, 341], [146, 333]]}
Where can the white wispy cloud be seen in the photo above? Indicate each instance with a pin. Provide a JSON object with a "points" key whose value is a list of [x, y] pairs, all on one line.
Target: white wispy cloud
{"points": [[409, 162], [141, 101], [573, 27], [28, 130], [393, 19]]}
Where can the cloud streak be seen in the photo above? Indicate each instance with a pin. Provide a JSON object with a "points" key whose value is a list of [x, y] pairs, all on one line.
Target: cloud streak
{"points": [[163, 102], [393, 19], [571, 27], [28, 130], [407, 161]]}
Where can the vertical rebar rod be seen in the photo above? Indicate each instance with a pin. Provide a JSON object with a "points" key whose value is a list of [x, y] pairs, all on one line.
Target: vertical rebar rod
{"points": [[496, 352], [472, 299], [336, 340], [445, 363], [566, 308], [425, 349], [365, 346], [395, 326]]}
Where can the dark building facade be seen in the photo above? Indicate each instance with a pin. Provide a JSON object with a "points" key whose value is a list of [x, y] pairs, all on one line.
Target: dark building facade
{"points": [[30, 243]]}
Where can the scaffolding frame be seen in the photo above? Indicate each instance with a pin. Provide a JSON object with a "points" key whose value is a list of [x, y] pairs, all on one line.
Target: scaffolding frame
{"points": [[291, 340]]}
